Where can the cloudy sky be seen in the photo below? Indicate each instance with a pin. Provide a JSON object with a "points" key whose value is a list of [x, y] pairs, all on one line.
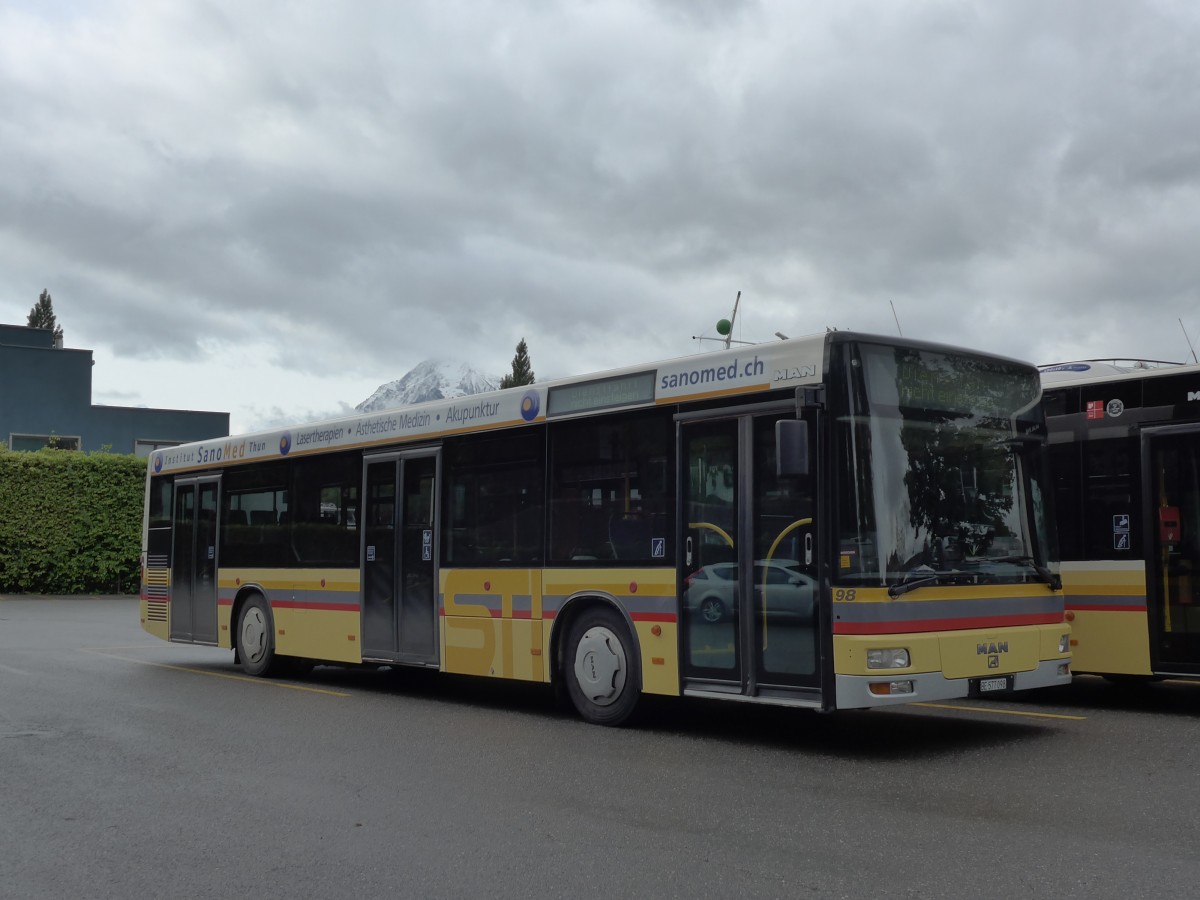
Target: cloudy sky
{"points": [[273, 207]]}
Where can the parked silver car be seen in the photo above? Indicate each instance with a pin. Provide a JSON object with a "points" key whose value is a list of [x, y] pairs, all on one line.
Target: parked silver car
{"points": [[790, 593]]}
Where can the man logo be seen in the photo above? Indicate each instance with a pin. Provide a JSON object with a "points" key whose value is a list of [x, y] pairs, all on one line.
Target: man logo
{"points": [[993, 662], [1193, 395]]}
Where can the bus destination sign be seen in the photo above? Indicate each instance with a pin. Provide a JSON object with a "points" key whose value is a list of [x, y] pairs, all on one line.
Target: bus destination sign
{"points": [[603, 393]]}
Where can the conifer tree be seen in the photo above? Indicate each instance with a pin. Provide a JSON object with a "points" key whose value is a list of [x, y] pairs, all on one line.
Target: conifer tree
{"points": [[42, 316], [522, 371]]}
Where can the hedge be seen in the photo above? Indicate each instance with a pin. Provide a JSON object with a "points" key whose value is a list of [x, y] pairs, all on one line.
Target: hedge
{"points": [[70, 522]]}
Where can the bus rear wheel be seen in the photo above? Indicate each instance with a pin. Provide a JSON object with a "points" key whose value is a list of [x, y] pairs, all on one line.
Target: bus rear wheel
{"points": [[256, 637], [601, 668]]}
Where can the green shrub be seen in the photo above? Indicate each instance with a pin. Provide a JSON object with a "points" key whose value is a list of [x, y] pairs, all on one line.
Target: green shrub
{"points": [[70, 523]]}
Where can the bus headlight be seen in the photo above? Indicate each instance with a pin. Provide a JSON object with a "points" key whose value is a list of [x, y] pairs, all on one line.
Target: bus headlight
{"points": [[1064, 643], [891, 658]]}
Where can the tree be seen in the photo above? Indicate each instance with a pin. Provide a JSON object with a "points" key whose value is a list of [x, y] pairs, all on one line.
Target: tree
{"points": [[522, 373], [42, 316]]}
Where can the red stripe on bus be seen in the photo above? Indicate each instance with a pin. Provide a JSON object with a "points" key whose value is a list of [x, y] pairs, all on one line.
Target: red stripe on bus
{"points": [[1108, 607], [652, 617], [549, 615], [910, 626]]}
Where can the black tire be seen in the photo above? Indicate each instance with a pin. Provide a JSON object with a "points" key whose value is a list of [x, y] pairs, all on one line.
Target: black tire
{"points": [[1132, 681], [712, 610], [256, 638], [601, 667], [299, 668]]}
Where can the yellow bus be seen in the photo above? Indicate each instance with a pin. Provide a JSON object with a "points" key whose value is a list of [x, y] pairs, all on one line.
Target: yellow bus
{"points": [[835, 522], [1125, 458]]}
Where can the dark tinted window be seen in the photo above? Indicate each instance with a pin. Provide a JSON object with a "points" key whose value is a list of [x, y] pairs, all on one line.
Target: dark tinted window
{"points": [[254, 516], [1111, 484], [610, 482], [160, 502], [324, 509], [494, 509], [1068, 508]]}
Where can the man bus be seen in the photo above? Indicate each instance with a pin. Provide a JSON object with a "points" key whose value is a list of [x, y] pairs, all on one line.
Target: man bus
{"points": [[834, 522], [1125, 457]]}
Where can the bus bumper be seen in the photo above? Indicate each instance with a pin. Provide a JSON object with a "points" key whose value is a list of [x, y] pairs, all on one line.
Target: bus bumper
{"points": [[854, 691]]}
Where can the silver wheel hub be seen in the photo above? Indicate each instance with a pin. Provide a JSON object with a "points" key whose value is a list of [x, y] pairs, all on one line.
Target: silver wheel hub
{"points": [[252, 640], [600, 666]]}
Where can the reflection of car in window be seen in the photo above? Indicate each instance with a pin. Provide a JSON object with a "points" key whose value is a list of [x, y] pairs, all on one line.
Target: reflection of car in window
{"points": [[710, 591]]}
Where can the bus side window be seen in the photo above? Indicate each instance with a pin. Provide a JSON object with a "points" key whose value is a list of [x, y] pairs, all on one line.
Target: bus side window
{"points": [[494, 512], [1068, 501], [610, 484], [1112, 493]]}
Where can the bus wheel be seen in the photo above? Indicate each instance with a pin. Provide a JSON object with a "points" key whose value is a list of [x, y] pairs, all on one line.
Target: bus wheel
{"points": [[256, 637], [1132, 681], [601, 668]]}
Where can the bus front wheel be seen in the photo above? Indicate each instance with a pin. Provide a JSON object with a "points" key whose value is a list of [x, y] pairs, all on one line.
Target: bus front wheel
{"points": [[601, 668], [256, 637]]}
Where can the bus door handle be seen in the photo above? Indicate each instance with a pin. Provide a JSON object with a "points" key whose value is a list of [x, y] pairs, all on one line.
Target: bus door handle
{"points": [[808, 549], [688, 556]]}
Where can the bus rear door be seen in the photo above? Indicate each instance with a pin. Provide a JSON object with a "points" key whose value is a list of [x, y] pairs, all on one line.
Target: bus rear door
{"points": [[399, 558], [194, 560]]}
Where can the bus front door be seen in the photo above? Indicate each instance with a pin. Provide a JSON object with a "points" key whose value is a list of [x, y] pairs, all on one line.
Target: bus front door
{"points": [[1173, 561], [399, 562], [749, 609], [194, 561]]}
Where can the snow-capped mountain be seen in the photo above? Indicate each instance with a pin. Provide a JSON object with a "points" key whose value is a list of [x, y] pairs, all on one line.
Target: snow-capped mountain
{"points": [[432, 379]]}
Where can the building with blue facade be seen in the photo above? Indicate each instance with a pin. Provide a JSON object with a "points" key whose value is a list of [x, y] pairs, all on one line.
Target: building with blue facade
{"points": [[46, 399]]}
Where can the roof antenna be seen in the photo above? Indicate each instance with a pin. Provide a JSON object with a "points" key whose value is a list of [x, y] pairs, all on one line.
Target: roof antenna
{"points": [[728, 330], [725, 328], [1189, 340], [896, 317]]}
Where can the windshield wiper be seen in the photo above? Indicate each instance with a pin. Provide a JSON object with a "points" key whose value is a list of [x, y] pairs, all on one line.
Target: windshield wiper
{"points": [[918, 578], [1054, 581]]}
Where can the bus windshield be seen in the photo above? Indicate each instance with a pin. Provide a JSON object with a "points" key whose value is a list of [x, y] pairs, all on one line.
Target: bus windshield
{"points": [[933, 452]]}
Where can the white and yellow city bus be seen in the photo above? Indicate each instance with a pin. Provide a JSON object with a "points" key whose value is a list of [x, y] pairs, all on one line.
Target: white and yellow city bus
{"points": [[835, 522], [1125, 457]]}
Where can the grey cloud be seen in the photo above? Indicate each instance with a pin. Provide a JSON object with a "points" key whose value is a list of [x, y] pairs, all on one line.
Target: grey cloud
{"points": [[606, 176]]}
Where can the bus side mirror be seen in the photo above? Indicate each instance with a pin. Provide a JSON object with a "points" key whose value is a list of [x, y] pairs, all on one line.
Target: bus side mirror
{"points": [[791, 447]]}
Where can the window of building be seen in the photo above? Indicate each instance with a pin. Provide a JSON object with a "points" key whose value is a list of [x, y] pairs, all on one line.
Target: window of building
{"points": [[32, 442], [144, 448]]}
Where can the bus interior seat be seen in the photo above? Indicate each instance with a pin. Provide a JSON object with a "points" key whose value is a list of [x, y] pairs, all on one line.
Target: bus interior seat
{"points": [[629, 535]]}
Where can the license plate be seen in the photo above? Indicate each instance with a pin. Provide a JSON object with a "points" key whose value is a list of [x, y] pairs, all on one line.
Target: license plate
{"points": [[992, 684]]}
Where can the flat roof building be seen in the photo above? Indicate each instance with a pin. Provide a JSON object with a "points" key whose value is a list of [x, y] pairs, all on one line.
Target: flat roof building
{"points": [[46, 399]]}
